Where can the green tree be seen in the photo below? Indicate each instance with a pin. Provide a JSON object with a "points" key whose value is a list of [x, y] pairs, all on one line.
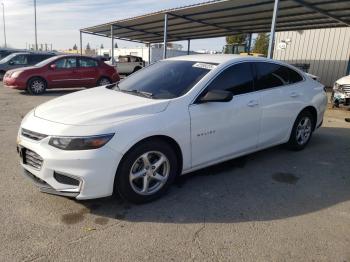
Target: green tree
{"points": [[75, 47], [261, 44], [88, 46], [236, 39]]}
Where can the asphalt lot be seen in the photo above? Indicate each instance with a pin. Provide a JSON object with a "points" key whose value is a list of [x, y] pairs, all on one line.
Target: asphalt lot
{"points": [[274, 205]]}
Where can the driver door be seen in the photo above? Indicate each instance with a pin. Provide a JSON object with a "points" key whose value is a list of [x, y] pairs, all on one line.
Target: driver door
{"points": [[223, 129]]}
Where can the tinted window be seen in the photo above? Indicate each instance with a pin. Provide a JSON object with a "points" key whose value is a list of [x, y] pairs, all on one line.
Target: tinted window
{"points": [[165, 79], [87, 62], [271, 75], [34, 59], [69, 62], [238, 79], [19, 60]]}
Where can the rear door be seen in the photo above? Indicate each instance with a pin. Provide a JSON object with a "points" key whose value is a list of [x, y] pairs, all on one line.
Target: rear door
{"points": [[88, 72], [279, 101], [64, 73]]}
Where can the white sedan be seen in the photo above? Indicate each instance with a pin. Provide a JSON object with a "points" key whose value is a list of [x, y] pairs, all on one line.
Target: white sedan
{"points": [[171, 118]]}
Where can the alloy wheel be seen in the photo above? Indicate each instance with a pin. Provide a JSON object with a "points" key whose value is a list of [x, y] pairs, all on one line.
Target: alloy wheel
{"points": [[149, 173], [37, 86], [303, 130]]}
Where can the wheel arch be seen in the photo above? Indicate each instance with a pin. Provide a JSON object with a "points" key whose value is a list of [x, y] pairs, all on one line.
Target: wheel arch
{"points": [[40, 77], [313, 112], [167, 139]]}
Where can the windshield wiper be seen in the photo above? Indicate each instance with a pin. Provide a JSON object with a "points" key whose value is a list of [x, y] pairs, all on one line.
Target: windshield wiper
{"points": [[138, 92]]}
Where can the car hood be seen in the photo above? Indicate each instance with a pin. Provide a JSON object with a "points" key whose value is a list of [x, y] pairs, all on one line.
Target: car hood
{"points": [[344, 80], [27, 68], [98, 106]]}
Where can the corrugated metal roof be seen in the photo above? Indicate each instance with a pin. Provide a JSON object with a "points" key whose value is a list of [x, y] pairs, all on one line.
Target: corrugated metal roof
{"points": [[226, 17]]}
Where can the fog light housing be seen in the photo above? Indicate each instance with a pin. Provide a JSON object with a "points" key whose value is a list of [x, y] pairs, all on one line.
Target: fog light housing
{"points": [[65, 179]]}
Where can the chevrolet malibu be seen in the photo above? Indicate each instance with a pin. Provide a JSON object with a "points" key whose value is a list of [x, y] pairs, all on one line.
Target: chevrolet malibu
{"points": [[171, 118]]}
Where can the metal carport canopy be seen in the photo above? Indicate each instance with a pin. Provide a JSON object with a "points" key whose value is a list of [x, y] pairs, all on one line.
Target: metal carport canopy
{"points": [[226, 17]]}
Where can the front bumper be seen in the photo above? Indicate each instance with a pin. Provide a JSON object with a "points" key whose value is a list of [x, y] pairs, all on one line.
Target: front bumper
{"points": [[14, 83], [93, 169]]}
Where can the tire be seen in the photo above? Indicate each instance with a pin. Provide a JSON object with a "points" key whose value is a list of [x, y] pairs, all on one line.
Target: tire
{"points": [[142, 163], [136, 69], [302, 131], [36, 86], [2, 74], [103, 81]]}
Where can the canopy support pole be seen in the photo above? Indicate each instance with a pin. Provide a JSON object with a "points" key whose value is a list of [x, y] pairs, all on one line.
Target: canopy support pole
{"points": [[149, 53], [81, 43], [165, 35], [249, 43], [188, 46], [112, 50], [273, 29]]}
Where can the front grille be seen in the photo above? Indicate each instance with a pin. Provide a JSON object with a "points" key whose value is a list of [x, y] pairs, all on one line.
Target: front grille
{"points": [[346, 89], [32, 135], [32, 159]]}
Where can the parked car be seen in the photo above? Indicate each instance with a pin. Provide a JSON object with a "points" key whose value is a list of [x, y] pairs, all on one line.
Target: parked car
{"points": [[62, 71], [129, 64], [8, 51], [22, 59], [341, 92], [173, 117]]}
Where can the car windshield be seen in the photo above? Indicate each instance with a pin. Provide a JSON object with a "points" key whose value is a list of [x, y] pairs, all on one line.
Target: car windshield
{"points": [[46, 61], [165, 79], [8, 58]]}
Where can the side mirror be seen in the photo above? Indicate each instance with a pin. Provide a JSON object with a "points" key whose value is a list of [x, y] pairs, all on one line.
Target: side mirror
{"points": [[53, 66], [216, 96]]}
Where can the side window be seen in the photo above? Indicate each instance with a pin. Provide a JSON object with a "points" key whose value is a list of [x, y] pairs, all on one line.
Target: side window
{"points": [[19, 60], [272, 75], [86, 62], [294, 77], [267, 76], [66, 63], [238, 79]]}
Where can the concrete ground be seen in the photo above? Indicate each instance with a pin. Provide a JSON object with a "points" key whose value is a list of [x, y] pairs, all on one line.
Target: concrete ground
{"points": [[274, 205]]}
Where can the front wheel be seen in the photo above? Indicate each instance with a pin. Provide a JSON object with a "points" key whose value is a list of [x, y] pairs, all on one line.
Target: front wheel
{"points": [[103, 81], [146, 172], [302, 131], [36, 86]]}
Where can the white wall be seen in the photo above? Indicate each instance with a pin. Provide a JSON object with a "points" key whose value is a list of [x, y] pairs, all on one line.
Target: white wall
{"points": [[327, 51]]}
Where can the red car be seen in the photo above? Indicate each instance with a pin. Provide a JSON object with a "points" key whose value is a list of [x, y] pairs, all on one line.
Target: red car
{"points": [[61, 72]]}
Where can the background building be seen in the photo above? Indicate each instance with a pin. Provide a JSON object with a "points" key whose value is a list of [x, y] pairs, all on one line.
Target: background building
{"points": [[322, 52]]}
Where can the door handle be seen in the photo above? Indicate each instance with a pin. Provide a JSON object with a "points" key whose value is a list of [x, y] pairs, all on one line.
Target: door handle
{"points": [[294, 94], [252, 103]]}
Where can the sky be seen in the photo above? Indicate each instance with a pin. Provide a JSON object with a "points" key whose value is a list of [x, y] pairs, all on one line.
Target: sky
{"points": [[59, 21]]}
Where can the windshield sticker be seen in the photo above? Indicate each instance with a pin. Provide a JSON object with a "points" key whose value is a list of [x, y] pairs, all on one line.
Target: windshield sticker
{"points": [[204, 66]]}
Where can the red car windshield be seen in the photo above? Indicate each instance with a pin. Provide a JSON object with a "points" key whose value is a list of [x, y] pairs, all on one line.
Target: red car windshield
{"points": [[46, 61]]}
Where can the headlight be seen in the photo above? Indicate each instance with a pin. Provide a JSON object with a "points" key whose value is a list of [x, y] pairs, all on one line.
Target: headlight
{"points": [[80, 143], [16, 74], [338, 87]]}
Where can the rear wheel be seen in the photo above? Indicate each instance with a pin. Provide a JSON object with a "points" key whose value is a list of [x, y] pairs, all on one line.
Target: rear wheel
{"points": [[136, 69], [2, 74], [146, 172], [36, 86], [302, 131], [103, 81]]}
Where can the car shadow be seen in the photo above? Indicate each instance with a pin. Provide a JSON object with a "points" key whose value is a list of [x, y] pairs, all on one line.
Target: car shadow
{"points": [[268, 185], [55, 92]]}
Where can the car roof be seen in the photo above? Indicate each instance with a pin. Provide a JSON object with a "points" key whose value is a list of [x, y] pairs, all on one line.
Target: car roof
{"points": [[217, 58]]}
